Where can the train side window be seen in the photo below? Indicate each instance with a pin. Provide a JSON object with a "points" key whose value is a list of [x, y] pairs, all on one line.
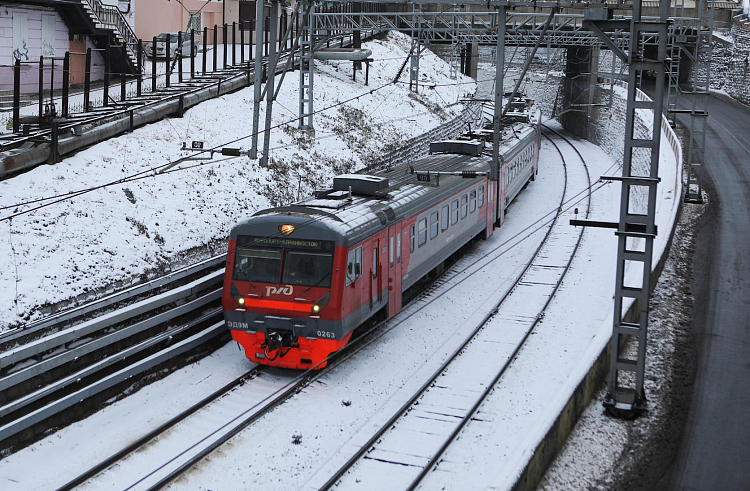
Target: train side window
{"points": [[354, 265], [464, 206], [422, 235], [351, 259], [358, 268], [413, 239], [390, 252], [492, 191], [433, 225], [480, 196], [473, 201], [444, 218], [454, 212], [398, 247], [375, 263]]}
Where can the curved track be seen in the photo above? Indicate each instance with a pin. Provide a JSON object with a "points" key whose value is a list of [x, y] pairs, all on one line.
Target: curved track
{"points": [[268, 389], [410, 444]]}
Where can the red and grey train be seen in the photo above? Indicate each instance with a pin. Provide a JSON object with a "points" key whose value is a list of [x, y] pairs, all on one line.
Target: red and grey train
{"points": [[301, 278]]}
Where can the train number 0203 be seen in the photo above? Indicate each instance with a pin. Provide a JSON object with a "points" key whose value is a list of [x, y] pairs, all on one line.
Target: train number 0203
{"points": [[326, 334]]}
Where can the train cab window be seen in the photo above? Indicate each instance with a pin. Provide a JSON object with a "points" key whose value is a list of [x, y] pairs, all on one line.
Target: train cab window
{"points": [[444, 218], [261, 265], [374, 263], [473, 201], [354, 265], [422, 235], [433, 225], [398, 247], [454, 212], [391, 251], [413, 240], [464, 206], [480, 196], [307, 268]]}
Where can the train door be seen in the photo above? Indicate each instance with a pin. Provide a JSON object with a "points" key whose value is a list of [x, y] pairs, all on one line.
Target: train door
{"points": [[394, 268]]}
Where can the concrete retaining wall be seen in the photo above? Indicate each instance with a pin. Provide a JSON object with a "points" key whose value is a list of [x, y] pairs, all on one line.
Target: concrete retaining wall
{"points": [[555, 438], [738, 78]]}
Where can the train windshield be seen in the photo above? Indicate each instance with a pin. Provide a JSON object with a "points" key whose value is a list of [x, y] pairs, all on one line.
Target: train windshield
{"points": [[285, 261], [307, 268], [262, 265]]}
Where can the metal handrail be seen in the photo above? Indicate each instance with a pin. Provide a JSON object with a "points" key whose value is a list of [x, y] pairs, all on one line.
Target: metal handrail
{"points": [[111, 16]]}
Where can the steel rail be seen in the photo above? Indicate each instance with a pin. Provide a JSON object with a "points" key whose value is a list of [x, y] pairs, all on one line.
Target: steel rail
{"points": [[74, 354], [93, 326], [118, 377], [436, 457], [427, 384], [132, 447], [112, 299], [372, 333]]}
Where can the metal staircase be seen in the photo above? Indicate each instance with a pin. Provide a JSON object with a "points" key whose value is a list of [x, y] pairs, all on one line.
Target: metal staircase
{"points": [[107, 17], [104, 25]]}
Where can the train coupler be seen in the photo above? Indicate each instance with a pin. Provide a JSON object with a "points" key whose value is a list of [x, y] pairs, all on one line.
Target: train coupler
{"points": [[279, 339]]}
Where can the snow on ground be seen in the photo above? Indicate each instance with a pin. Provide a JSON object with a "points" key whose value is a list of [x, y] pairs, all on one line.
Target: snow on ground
{"points": [[334, 414], [116, 234], [374, 382]]}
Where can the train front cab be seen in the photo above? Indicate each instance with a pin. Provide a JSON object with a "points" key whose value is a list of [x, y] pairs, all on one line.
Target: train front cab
{"points": [[282, 291]]}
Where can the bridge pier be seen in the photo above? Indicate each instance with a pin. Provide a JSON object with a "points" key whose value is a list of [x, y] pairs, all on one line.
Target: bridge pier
{"points": [[578, 88], [471, 60]]}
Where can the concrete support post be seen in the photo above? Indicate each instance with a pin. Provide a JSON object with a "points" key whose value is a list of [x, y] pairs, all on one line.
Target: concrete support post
{"points": [[259, 17], [497, 126], [273, 33], [576, 88]]}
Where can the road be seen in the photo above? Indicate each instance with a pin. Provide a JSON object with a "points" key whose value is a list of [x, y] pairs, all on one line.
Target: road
{"points": [[715, 446]]}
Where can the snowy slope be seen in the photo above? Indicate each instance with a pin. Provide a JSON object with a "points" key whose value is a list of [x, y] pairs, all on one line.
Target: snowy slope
{"points": [[78, 247]]}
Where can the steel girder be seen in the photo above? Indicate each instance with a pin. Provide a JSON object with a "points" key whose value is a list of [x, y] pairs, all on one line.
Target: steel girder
{"points": [[522, 29]]}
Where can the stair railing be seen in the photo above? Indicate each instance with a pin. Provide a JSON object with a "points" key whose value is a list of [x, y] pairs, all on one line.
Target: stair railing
{"points": [[111, 16]]}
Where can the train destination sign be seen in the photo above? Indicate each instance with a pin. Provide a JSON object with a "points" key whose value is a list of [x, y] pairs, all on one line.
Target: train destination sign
{"points": [[312, 245]]}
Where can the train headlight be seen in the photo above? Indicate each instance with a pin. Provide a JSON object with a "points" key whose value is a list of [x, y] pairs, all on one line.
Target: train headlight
{"points": [[315, 309], [241, 301]]}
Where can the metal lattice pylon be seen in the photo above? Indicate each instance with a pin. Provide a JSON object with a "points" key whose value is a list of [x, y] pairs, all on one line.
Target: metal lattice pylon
{"points": [[701, 92], [455, 46], [307, 67], [416, 49], [637, 229], [675, 56]]}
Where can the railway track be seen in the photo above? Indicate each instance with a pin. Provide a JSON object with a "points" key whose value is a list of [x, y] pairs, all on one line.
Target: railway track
{"points": [[161, 456], [47, 368], [56, 370], [411, 443]]}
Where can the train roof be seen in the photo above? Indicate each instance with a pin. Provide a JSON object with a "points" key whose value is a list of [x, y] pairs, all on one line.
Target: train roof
{"points": [[379, 199]]}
